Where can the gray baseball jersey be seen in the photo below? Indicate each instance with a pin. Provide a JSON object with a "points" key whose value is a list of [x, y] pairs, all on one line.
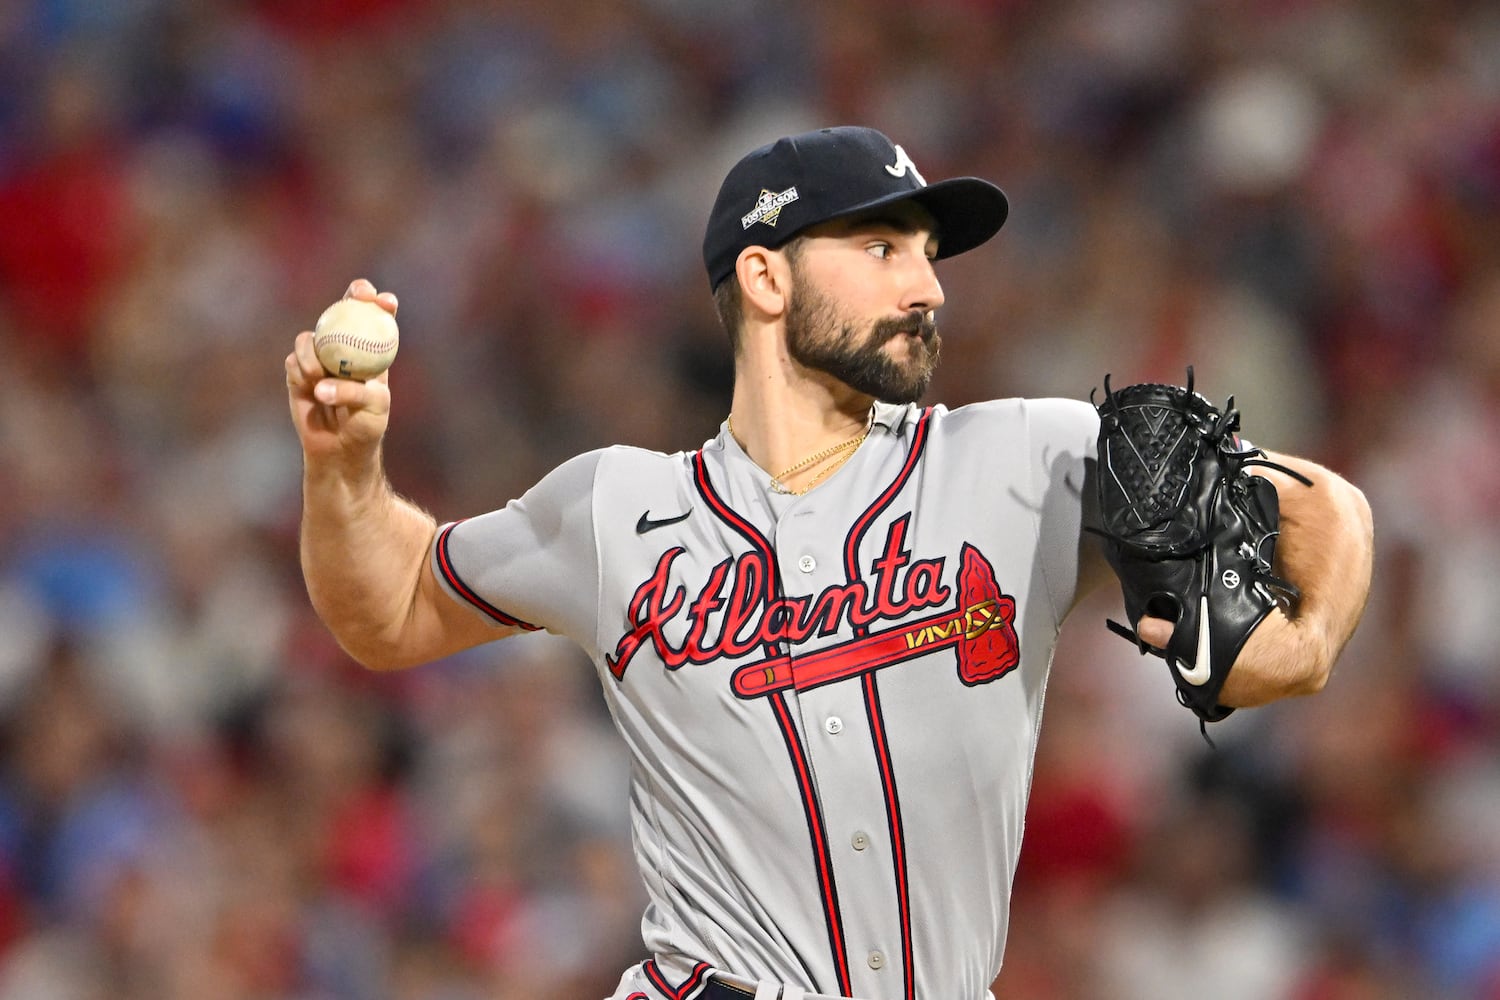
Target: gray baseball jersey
{"points": [[831, 700]]}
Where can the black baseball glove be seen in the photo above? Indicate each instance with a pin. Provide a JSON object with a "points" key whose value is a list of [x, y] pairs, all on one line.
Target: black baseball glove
{"points": [[1189, 530]]}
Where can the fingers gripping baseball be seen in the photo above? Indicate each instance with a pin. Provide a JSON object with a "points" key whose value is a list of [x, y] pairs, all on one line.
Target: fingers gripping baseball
{"points": [[359, 288], [337, 417]]}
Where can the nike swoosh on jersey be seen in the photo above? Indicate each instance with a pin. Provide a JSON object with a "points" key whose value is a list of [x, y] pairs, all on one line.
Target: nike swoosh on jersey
{"points": [[648, 523], [1203, 662]]}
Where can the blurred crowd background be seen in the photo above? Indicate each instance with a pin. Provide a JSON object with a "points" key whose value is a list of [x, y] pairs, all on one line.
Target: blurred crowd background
{"points": [[202, 797]]}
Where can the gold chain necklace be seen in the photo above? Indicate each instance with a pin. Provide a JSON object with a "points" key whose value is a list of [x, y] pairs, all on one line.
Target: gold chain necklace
{"points": [[778, 481]]}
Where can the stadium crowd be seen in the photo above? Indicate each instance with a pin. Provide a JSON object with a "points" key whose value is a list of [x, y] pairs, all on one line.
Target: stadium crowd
{"points": [[202, 798]]}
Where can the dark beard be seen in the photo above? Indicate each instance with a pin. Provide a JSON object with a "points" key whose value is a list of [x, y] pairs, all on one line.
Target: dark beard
{"points": [[817, 339]]}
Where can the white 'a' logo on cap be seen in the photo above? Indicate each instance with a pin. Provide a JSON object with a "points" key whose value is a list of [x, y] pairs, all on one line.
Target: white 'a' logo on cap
{"points": [[902, 165]]}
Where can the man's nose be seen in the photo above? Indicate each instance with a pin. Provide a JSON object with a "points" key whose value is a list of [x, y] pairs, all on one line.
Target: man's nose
{"points": [[925, 293]]}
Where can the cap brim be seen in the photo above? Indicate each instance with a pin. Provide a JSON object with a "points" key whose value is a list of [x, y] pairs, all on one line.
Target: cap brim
{"points": [[966, 210]]}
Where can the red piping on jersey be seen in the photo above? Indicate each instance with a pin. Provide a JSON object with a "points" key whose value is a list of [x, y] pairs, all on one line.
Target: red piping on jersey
{"points": [[872, 706], [445, 564], [745, 529], [862, 524], [822, 856], [667, 990], [893, 817], [821, 853]]}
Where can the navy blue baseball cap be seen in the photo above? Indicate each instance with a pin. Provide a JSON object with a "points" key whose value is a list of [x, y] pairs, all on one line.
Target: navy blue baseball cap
{"points": [[784, 187]]}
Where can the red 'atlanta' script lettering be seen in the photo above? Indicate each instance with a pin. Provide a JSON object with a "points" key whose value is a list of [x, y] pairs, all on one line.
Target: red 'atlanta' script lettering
{"points": [[730, 616]]}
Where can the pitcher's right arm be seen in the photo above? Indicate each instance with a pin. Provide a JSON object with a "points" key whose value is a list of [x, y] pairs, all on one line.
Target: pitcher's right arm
{"points": [[366, 550]]}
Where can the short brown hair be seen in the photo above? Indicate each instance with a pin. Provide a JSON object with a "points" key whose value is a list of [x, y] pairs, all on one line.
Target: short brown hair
{"points": [[729, 303]]}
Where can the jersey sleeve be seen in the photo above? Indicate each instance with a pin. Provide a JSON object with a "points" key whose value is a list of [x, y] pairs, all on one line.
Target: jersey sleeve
{"points": [[1064, 443], [533, 563]]}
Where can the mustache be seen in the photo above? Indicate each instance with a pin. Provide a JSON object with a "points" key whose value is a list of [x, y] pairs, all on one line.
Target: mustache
{"points": [[916, 323]]}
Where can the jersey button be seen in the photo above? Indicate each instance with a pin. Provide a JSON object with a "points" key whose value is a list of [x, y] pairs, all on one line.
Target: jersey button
{"points": [[860, 841], [807, 564], [833, 725], [876, 960]]}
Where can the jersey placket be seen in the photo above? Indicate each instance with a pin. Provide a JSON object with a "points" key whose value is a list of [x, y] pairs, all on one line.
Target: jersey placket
{"points": [[841, 748]]}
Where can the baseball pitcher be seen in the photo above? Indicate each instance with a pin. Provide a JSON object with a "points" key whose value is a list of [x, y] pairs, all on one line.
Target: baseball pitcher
{"points": [[825, 635]]}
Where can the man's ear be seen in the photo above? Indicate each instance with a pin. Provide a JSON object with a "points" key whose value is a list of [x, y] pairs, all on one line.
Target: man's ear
{"points": [[765, 280]]}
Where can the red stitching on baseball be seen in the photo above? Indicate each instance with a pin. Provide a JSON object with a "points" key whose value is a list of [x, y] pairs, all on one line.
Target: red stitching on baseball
{"points": [[358, 343]]}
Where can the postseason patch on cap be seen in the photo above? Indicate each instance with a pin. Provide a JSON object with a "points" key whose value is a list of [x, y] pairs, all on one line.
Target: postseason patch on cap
{"points": [[768, 207]]}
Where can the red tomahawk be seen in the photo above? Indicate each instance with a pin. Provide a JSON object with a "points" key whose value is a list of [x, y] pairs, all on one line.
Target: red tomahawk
{"points": [[983, 629]]}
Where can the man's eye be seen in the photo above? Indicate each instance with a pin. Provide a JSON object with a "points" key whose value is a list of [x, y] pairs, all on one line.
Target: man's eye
{"points": [[881, 250]]}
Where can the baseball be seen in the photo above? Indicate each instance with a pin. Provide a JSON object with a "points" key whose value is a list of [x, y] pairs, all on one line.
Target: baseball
{"points": [[355, 339]]}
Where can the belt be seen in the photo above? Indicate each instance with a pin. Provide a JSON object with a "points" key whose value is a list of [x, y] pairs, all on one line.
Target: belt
{"points": [[720, 989], [723, 987]]}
